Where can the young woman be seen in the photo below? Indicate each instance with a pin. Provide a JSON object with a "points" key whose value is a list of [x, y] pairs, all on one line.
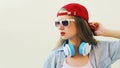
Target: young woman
{"points": [[77, 47]]}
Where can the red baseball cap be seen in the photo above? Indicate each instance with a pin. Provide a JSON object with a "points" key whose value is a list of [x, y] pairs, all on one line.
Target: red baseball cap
{"points": [[76, 10]]}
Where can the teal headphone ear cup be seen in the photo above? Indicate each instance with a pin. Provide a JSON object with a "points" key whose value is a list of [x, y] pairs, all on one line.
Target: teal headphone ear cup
{"points": [[84, 48], [69, 50], [81, 48]]}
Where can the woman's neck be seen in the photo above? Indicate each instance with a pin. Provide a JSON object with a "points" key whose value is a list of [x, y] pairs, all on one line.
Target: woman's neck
{"points": [[75, 41]]}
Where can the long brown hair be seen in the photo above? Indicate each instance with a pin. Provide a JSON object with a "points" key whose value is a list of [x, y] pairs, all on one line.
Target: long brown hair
{"points": [[84, 31]]}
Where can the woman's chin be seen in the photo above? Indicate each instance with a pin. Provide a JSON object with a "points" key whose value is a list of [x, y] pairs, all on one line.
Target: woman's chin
{"points": [[64, 37]]}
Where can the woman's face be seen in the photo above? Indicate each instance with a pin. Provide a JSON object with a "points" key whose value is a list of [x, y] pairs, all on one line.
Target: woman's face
{"points": [[67, 26]]}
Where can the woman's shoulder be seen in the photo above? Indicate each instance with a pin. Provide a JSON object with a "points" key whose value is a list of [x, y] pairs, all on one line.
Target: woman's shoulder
{"points": [[106, 45], [53, 57], [107, 49], [107, 42], [56, 51]]}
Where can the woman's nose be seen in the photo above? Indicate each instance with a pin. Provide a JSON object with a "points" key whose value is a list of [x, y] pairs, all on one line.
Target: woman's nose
{"points": [[61, 27]]}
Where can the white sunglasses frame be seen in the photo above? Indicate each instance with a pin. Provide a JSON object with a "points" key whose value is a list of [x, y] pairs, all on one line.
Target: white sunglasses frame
{"points": [[61, 20]]}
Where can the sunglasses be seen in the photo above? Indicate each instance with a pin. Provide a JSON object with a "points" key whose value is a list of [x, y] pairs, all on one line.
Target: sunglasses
{"points": [[64, 22]]}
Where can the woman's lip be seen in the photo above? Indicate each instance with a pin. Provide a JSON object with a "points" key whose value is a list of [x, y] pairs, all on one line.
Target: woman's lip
{"points": [[62, 33]]}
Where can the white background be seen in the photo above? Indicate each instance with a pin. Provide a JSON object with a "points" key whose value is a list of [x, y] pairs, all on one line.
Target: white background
{"points": [[27, 31]]}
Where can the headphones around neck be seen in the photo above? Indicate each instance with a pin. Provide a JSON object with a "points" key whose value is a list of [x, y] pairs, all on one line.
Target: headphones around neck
{"points": [[84, 49]]}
